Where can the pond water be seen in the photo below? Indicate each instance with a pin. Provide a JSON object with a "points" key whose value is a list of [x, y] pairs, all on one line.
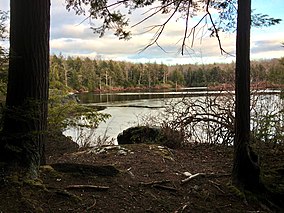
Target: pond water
{"points": [[129, 108]]}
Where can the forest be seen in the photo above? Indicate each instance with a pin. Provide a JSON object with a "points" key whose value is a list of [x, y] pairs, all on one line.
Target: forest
{"points": [[75, 74], [85, 74]]}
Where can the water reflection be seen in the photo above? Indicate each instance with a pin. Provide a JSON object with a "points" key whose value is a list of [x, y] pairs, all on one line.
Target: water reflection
{"points": [[128, 108], [105, 98], [123, 115]]}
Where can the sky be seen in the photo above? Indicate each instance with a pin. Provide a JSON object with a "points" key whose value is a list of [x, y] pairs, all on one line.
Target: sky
{"points": [[70, 37]]}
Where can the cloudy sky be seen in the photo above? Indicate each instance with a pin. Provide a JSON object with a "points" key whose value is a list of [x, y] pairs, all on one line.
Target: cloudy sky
{"points": [[71, 37]]}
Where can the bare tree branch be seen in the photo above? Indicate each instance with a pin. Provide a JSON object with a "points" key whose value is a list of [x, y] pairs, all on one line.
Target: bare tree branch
{"points": [[161, 29], [216, 31], [154, 13], [186, 27]]}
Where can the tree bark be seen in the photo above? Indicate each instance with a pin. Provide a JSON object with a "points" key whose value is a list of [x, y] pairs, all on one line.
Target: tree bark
{"points": [[245, 169], [25, 119]]}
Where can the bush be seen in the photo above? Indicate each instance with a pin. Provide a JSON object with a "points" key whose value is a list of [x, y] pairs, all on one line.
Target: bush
{"points": [[210, 119], [66, 112]]}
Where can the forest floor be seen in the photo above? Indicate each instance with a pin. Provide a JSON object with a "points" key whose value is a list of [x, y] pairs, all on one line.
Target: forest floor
{"points": [[138, 178]]}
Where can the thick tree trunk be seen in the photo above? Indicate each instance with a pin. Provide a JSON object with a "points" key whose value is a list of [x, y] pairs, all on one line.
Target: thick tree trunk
{"points": [[25, 120], [245, 168]]}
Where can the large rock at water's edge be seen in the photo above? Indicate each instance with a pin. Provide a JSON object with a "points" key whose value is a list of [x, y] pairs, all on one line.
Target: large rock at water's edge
{"points": [[146, 134], [139, 134]]}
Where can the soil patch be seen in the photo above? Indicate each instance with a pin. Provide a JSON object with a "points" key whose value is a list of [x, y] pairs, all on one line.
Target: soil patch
{"points": [[138, 178]]}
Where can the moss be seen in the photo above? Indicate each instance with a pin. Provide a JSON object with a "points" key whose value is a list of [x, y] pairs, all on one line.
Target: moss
{"points": [[47, 169], [35, 183], [236, 191], [273, 180], [31, 205], [163, 151], [14, 179]]}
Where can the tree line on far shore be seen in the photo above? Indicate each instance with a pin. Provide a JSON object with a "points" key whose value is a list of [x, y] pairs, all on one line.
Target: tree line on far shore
{"points": [[85, 74]]}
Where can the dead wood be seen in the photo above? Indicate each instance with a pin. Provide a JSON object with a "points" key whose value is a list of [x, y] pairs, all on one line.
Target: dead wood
{"points": [[190, 177], [93, 187], [92, 206], [159, 186], [155, 182]]}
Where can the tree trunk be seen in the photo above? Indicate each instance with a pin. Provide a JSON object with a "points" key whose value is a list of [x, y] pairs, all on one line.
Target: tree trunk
{"points": [[245, 168], [25, 119]]}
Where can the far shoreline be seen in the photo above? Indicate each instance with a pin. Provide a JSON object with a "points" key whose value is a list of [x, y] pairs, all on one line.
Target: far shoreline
{"points": [[220, 87]]}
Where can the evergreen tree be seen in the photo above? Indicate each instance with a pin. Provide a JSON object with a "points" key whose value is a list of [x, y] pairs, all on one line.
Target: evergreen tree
{"points": [[25, 119]]}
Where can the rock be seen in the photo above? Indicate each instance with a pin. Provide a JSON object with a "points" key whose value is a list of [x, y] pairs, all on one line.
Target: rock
{"points": [[121, 152], [139, 134], [151, 135]]}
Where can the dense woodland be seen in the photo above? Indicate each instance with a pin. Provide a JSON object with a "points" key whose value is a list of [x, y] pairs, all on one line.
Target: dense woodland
{"points": [[85, 74]]}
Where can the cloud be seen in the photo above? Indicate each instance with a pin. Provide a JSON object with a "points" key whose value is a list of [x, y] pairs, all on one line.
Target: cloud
{"points": [[266, 46], [5, 5], [71, 36]]}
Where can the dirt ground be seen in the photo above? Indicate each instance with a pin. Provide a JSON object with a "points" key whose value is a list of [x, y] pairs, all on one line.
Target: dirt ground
{"points": [[134, 178]]}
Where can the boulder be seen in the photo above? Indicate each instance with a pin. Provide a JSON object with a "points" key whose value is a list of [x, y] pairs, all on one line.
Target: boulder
{"points": [[151, 135], [139, 134]]}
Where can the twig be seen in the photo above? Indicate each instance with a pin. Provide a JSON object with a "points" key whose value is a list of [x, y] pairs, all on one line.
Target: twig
{"points": [[131, 173], [204, 174], [155, 182], [151, 15], [217, 186], [161, 28], [158, 186], [216, 31], [186, 28], [192, 177], [92, 206], [99, 188], [181, 209], [130, 192]]}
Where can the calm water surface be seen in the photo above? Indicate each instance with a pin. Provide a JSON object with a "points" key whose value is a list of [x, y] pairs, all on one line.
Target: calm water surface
{"points": [[128, 108]]}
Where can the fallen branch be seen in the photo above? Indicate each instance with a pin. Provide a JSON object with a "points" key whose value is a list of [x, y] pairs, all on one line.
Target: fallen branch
{"points": [[158, 186], [92, 206], [217, 186], [192, 177], [155, 182], [181, 209], [131, 173], [93, 187]]}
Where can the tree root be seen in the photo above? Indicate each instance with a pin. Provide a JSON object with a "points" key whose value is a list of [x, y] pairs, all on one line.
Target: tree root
{"points": [[85, 169]]}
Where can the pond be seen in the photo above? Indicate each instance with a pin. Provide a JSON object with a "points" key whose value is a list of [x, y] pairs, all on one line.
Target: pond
{"points": [[129, 108]]}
